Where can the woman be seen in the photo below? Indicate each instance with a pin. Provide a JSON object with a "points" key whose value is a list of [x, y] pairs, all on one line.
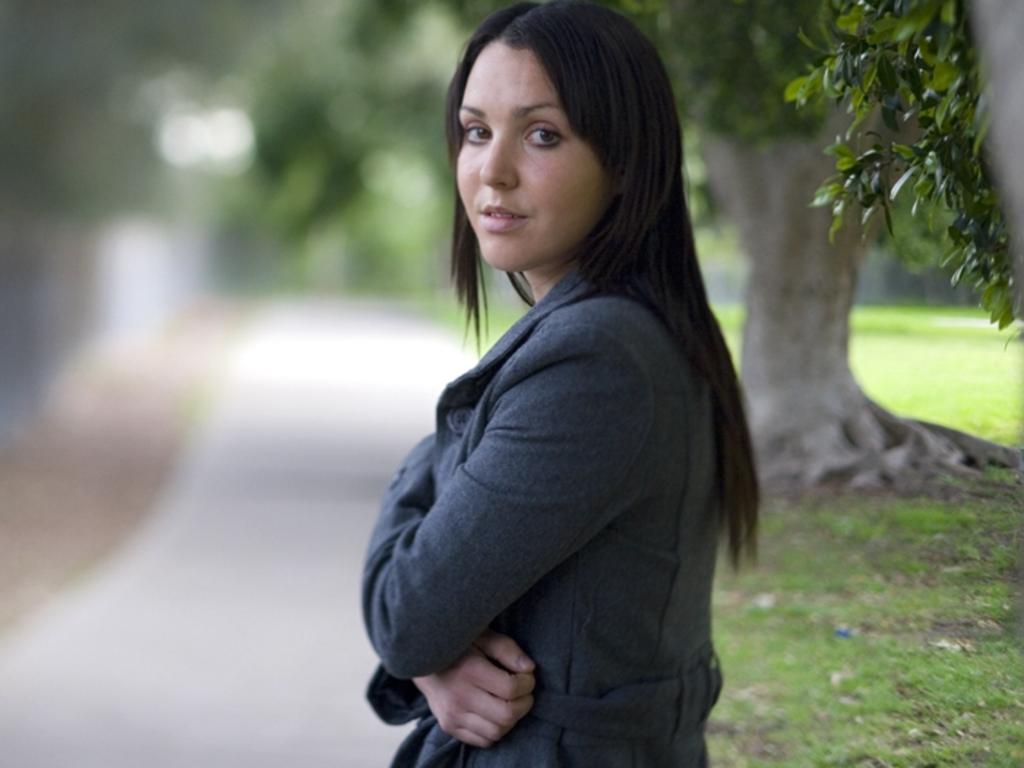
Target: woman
{"points": [[538, 584]]}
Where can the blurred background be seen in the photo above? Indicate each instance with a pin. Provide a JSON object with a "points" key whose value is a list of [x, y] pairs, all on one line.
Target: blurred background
{"points": [[154, 156], [172, 175]]}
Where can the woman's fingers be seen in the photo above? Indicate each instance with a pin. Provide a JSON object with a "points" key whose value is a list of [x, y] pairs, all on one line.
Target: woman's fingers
{"points": [[478, 699], [480, 731], [504, 713], [471, 738], [482, 727], [521, 707], [504, 650], [495, 680], [461, 720]]}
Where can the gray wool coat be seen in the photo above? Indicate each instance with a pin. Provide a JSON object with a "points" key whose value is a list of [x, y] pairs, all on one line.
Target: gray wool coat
{"points": [[566, 499]]}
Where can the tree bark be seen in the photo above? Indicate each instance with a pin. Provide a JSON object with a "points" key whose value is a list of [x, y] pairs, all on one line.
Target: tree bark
{"points": [[811, 422], [999, 28]]}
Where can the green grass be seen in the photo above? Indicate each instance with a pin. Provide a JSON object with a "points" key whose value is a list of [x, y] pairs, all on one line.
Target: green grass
{"points": [[931, 672], [942, 365]]}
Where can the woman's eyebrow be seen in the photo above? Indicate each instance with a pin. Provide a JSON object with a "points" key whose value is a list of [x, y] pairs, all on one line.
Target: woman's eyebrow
{"points": [[517, 112]]}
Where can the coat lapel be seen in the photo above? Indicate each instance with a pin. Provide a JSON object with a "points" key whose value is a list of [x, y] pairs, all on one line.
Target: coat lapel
{"points": [[467, 387]]}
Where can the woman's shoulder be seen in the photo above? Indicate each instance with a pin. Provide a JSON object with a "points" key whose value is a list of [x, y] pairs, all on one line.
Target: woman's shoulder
{"points": [[602, 332], [620, 316], [613, 324]]}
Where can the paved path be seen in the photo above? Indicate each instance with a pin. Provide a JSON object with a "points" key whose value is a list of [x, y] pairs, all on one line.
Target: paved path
{"points": [[227, 633]]}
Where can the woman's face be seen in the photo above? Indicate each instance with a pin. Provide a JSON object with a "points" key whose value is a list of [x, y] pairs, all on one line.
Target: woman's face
{"points": [[531, 188]]}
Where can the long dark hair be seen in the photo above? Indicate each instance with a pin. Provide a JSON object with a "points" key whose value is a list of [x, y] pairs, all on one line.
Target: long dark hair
{"points": [[618, 98]]}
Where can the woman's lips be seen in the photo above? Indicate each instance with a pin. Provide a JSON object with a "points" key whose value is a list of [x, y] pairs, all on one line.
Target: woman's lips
{"points": [[500, 221]]}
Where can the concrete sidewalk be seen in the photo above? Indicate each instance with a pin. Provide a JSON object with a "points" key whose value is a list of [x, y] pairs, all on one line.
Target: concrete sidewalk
{"points": [[228, 631]]}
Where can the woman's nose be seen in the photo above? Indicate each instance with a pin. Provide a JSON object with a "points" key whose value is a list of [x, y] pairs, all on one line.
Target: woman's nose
{"points": [[499, 167]]}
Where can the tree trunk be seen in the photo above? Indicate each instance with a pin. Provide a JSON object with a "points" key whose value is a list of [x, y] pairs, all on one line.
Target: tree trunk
{"points": [[999, 28], [812, 424]]}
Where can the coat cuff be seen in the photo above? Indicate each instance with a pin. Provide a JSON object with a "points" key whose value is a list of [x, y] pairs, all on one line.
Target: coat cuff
{"points": [[395, 701]]}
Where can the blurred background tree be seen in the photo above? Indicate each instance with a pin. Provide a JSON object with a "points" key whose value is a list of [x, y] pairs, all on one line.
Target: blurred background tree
{"points": [[86, 89], [349, 166]]}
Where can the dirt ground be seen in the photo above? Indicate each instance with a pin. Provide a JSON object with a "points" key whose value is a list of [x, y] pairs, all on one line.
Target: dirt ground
{"points": [[78, 478]]}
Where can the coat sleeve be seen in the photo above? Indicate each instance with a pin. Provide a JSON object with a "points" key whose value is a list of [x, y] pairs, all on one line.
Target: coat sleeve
{"points": [[572, 413], [409, 496]]}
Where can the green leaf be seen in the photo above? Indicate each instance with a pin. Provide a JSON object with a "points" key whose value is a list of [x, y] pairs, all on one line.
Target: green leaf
{"points": [[887, 74], [927, 53], [870, 76], [913, 87], [889, 118], [802, 36], [943, 111], [924, 187], [901, 181], [905, 151], [946, 49], [943, 75], [826, 193], [850, 22], [794, 86], [846, 163], [883, 31], [857, 100], [861, 116], [1006, 315], [837, 224], [949, 13], [839, 149], [916, 21]]}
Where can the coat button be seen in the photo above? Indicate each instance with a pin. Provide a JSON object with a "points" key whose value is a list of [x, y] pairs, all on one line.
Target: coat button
{"points": [[458, 419]]}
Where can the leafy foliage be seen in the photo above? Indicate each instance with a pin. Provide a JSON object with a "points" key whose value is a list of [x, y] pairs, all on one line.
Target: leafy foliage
{"points": [[349, 170], [914, 62], [729, 61], [330, 94]]}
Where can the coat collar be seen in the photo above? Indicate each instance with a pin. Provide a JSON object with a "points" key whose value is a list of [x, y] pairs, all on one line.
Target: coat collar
{"points": [[568, 290]]}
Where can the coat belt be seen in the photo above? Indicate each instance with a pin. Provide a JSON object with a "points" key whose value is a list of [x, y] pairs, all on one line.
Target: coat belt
{"points": [[644, 710], [638, 710]]}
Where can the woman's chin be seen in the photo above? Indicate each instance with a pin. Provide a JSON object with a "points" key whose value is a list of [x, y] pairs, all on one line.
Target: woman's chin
{"points": [[503, 262]]}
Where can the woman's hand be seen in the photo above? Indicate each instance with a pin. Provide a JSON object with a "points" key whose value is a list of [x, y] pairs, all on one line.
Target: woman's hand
{"points": [[481, 696]]}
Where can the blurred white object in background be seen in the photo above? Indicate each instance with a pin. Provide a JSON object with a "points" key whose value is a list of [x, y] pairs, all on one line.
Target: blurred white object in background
{"points": [[146, 273]]}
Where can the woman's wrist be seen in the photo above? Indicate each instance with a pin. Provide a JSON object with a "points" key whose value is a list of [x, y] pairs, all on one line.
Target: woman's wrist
{"points": [[423, 683]]}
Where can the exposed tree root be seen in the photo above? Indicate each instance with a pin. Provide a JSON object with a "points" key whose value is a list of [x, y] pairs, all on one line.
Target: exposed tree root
{"points": [[872, 448]]}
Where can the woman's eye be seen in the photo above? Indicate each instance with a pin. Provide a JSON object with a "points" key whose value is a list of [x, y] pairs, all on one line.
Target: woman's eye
{"points": [[475, 134], [545, 138]]}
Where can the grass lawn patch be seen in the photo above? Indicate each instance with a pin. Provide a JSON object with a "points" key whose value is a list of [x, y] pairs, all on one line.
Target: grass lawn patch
{"points": [[945, 365], [874, 632]]}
